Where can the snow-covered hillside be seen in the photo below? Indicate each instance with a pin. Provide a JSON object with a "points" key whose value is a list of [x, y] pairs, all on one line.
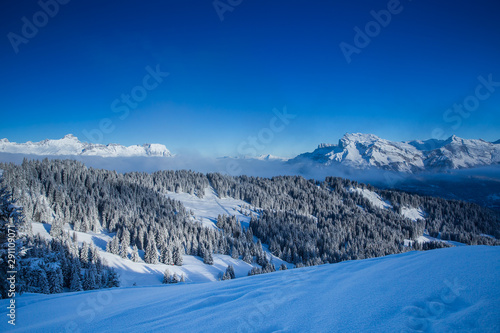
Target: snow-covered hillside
{"points": [[205, 211], [376, 200], [193, 269], [71, 146], [363, 151], [446, 290], [141, 274]]}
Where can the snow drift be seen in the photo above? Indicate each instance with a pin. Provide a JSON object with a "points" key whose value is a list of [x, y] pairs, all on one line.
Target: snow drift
{"points": [[446, 290]]}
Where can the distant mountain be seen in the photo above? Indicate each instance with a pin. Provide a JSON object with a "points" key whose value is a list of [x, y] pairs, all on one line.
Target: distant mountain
{"points": [[264, 157], [364, 151], [353, 151], [70, 145]]}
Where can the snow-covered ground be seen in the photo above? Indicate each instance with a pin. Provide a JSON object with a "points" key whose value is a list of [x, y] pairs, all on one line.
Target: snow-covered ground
{"points": [[373, 197], [210, 206], [426, 238], [413, 214], [142, 274], [376, 200], [445, 290]]}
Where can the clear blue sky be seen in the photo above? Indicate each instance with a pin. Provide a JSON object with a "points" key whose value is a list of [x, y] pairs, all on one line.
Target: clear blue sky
{"points": [[226, 77]]}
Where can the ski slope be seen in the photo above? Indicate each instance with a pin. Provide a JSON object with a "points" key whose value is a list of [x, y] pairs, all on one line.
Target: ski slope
{"points": [[446, 290]]}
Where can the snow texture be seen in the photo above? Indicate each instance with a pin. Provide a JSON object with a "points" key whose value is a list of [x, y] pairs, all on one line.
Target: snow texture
{"points": [[446, 290]]}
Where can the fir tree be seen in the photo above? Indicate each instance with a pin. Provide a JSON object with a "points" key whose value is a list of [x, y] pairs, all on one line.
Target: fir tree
{"points": [[234, 252], [230, 272], [56, 281], [166, 277], [84, 255], [177, 256], [166, 255], [76, 284], [207, 257], [125, 243], [247, 257], [151, 255], [113, 278], [135, 254]]}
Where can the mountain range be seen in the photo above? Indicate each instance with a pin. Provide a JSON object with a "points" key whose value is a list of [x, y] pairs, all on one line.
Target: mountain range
{"points": [[365, 151], [70, 145], [353, 151]]}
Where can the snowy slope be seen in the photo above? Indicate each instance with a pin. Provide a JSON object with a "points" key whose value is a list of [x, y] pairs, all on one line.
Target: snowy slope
{"points": [[446, 290], [363, 151], [207, 209], [376, 200], [70, 145], [457, 153], [373, 197], [413, 213], [142, 274]]}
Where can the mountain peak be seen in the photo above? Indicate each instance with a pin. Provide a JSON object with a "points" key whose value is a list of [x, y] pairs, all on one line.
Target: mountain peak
{"points": [[454, 139], [359, 137], [364, 151], [69, 137], [69, 145]]}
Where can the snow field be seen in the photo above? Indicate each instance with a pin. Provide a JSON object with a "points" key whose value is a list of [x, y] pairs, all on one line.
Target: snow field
{"points": [[445, 290]]}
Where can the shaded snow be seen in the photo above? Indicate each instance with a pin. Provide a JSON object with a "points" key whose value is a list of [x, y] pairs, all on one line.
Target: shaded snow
{"points": [[375, 199], [142, 274], [445, 290]]}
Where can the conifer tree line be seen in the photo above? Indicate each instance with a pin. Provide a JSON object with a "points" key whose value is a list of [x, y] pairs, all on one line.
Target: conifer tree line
{"points": [[132, 205], [305, 222], [44, 266]]}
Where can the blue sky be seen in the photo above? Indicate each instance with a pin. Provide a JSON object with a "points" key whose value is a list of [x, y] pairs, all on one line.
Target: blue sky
{"points": [[226, 77]]}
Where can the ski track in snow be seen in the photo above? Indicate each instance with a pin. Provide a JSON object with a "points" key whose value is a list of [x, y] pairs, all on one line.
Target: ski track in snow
{"points": [[445, 290]]}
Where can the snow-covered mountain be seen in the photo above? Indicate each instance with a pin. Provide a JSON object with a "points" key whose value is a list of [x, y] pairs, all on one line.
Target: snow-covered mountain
{"points": [[70, 145], [363, 151], [353, 151]]}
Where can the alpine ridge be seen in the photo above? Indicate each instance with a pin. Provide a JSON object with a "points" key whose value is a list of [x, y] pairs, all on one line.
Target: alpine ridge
{"points": [[365, 151], [70, 145]]}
